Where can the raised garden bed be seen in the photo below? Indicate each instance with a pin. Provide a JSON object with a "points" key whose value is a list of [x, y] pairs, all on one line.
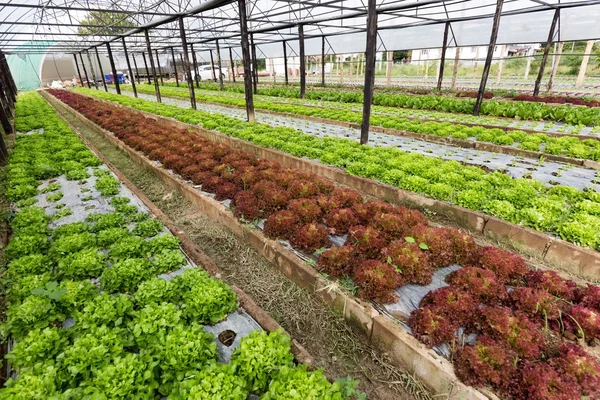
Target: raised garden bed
{"points": [[575, 259], [380, 235], [104, 304]]}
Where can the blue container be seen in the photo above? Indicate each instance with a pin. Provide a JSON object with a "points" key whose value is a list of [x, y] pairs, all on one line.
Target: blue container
{"points": [[108, 78]]}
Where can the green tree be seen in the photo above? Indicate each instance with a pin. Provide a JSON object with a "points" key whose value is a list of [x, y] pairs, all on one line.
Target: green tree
{"points": [[113, 23]]}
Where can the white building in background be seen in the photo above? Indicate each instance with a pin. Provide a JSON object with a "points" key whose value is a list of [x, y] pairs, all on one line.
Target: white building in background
{"points": [[473, 54]]}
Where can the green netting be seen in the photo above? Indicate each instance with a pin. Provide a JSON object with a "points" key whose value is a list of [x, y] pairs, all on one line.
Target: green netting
{"points": [[25, 68]]}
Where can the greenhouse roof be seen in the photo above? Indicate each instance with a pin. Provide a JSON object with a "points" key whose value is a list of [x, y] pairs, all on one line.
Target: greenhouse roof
{"points": [[402, 24]]}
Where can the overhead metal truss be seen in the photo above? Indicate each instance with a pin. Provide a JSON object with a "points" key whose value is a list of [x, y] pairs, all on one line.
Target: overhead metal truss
{"points": [[54, 26]]}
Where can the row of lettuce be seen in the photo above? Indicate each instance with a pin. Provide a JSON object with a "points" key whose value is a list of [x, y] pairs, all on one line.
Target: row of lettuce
{"points": [[566, 146], [567, 212], [526, 344], [88, 312], [510, 109]]}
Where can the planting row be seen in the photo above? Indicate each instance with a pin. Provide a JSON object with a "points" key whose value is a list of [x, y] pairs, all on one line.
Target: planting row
{"points": [[529, 329], [565, 146], [103, 304], [423, 115], [511, 109], [570, 213]]}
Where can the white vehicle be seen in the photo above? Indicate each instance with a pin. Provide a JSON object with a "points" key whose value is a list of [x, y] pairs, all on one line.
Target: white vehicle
{"points": [[205, 73]]}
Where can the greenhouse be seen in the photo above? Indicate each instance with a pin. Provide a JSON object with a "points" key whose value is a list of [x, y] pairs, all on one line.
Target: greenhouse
{"points": [[278, 199]]}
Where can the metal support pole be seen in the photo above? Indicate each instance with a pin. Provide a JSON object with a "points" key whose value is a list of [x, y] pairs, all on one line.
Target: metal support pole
{"points": [[92, 69], [232, 64], [538, 81], [254, 64], [323, 61], [388, 68], [78, 70], [285, 64], [113, 68], [212, 66], [369, 70], [219, 65], [246, 61], [10, 81], [443, 57], [302, 62], [6, 125], [100, 68], [5, 103], [149, 48], [196, 74], [146, 66], [87, 79], [160, 74], [186, 64], [175, 67], [131, 77], [488, 58], [137, 71]]}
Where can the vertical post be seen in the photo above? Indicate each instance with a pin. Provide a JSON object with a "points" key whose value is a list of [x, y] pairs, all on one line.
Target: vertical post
{"points": [[584, 63], [369, 70], [476, 61], [5, 98], [113, 68], [137, 71], [254, 64], [196, 74], [455, 68], [388, 68], [302, 61], [85, 71], [159, 68], [342, 70], [92, 69], [219, 65], [175, 67], [443, 57], [6, 125], [538, 81], [488, 59], [100, 68], [323, 61], [232, 64], [10, 80], [500, 64], [78, 70], [351, 67], [212, 66], [246, 61], [149, 48], [527, 66], [146, 66], [285, 62], [555, 66], [131, 76], [186, 64]]}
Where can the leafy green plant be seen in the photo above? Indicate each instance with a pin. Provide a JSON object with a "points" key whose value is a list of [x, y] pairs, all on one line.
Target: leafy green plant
{"points": [[148, 228], [212, 381], [260, 356], [168, 260], [203, 298], [54, 197], [39, 346], [33, 264], [125, 276], [155, 290], [77, 174], [35, 312], [129, 246], [298, 382], [86, 263], [107, 185], [110, 310]]}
